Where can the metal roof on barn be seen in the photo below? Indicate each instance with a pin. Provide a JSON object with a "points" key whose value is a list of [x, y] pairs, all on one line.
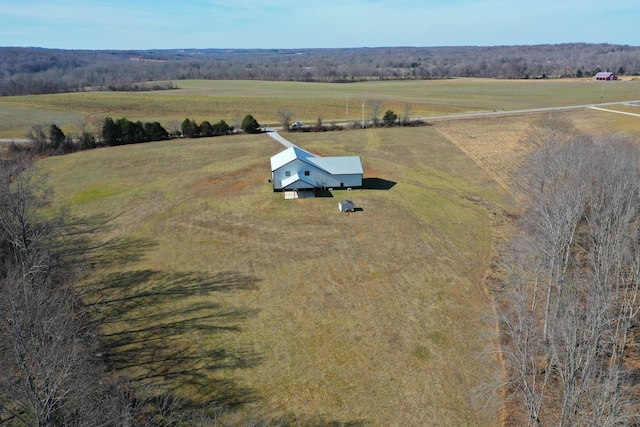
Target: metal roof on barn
{"points": [[287, 156], [298, 182], [340, 165]]}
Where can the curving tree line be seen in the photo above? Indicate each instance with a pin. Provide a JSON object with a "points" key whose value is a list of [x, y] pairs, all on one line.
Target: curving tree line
{"points": [[569, 306]]}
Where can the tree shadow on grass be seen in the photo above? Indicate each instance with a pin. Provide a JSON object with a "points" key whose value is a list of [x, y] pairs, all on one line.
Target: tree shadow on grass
{"points": [[163, 330], [79, 245], [158, 326], [168, 332]]}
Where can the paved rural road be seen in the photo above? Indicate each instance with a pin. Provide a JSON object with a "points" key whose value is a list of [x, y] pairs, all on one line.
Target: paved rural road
{"points": [[273, 132], [532, 110]]}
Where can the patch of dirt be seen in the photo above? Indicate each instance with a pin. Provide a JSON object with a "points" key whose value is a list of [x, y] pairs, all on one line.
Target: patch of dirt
{"points": [[233, 182], [239, 185], [208, 181]]}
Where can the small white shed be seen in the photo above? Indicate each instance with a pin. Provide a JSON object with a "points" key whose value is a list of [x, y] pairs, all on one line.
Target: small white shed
{"points": [[346, 206]]}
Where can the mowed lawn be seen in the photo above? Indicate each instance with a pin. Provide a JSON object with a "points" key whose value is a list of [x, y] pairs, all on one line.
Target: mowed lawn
{"points": [[211, 287]]}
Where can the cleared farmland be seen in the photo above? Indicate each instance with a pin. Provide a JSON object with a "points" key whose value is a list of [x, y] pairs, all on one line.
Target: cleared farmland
{"points": [[211, 287], [232, 100]]}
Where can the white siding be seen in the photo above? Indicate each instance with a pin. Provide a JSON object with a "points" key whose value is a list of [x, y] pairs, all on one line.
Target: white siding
{"points": [[318, 169]]}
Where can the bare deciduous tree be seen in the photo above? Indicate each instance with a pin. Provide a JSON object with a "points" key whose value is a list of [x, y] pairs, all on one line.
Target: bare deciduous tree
{"points": [[571, 283], [48, 350], [22, 198], [38, 137], [175, 127], [285, 115], [375, 108], [406, 115], [97, 122], [51, 367]]}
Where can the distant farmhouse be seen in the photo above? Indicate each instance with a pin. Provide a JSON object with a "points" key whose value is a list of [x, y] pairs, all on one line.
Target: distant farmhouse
{"points": [[295, 169], [606, 75]]}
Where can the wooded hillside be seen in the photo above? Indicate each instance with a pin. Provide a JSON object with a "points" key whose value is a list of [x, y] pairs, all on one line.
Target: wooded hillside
{"points": [[36, 70]]}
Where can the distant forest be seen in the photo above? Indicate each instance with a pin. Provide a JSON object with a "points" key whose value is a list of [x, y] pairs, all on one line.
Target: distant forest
{"points": [[36, 70]]}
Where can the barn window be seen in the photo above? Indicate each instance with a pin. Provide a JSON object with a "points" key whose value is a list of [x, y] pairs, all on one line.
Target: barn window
{"points": [[306, 173], [287, 173]]}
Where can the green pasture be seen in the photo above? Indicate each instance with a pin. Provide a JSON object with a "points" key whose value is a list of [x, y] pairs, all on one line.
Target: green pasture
{"points": [[335, 102], [210, 286]]}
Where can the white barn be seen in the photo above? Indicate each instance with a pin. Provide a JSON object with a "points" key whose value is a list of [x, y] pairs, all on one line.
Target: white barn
{"points": [[296, 169]]}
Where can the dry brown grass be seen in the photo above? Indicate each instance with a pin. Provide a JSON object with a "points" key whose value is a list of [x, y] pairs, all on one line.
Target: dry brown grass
{"points": [[221, 290], [498, 145]]}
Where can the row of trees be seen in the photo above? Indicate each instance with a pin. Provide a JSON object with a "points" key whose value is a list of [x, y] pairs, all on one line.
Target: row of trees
{"points": [[123, 131], [33, 70], [570, 300], [191, 129], [373, 118], [48, 345], [51, 139]]}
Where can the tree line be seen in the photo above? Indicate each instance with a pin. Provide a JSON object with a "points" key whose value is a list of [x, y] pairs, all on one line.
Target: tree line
{"points": [[48, 344], [49, 138], [35, 70], [54, 363], [569, 295]]}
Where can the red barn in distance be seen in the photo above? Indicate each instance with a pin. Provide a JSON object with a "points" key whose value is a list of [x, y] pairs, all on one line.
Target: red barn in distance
{"points": [[606, 75]]}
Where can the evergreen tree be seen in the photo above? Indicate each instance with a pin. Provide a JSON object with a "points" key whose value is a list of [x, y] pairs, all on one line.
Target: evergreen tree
{"points": [[222, 128], [155, 132], [190, 128], [56, 136], [111, 132], [389, 118], [87, 141], [206, 129], [250, 125]]}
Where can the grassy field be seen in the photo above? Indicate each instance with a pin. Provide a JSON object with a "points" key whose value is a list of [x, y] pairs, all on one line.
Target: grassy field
{"points": [[211, 286], [498, 144], [232, 100]]}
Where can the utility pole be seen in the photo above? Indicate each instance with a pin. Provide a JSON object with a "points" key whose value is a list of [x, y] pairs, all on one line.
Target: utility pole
{"points": [[363, 114], [347, 108]]}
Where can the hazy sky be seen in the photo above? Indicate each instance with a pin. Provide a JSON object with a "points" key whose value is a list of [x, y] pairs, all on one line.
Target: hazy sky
{"points": [[149, 24]]}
